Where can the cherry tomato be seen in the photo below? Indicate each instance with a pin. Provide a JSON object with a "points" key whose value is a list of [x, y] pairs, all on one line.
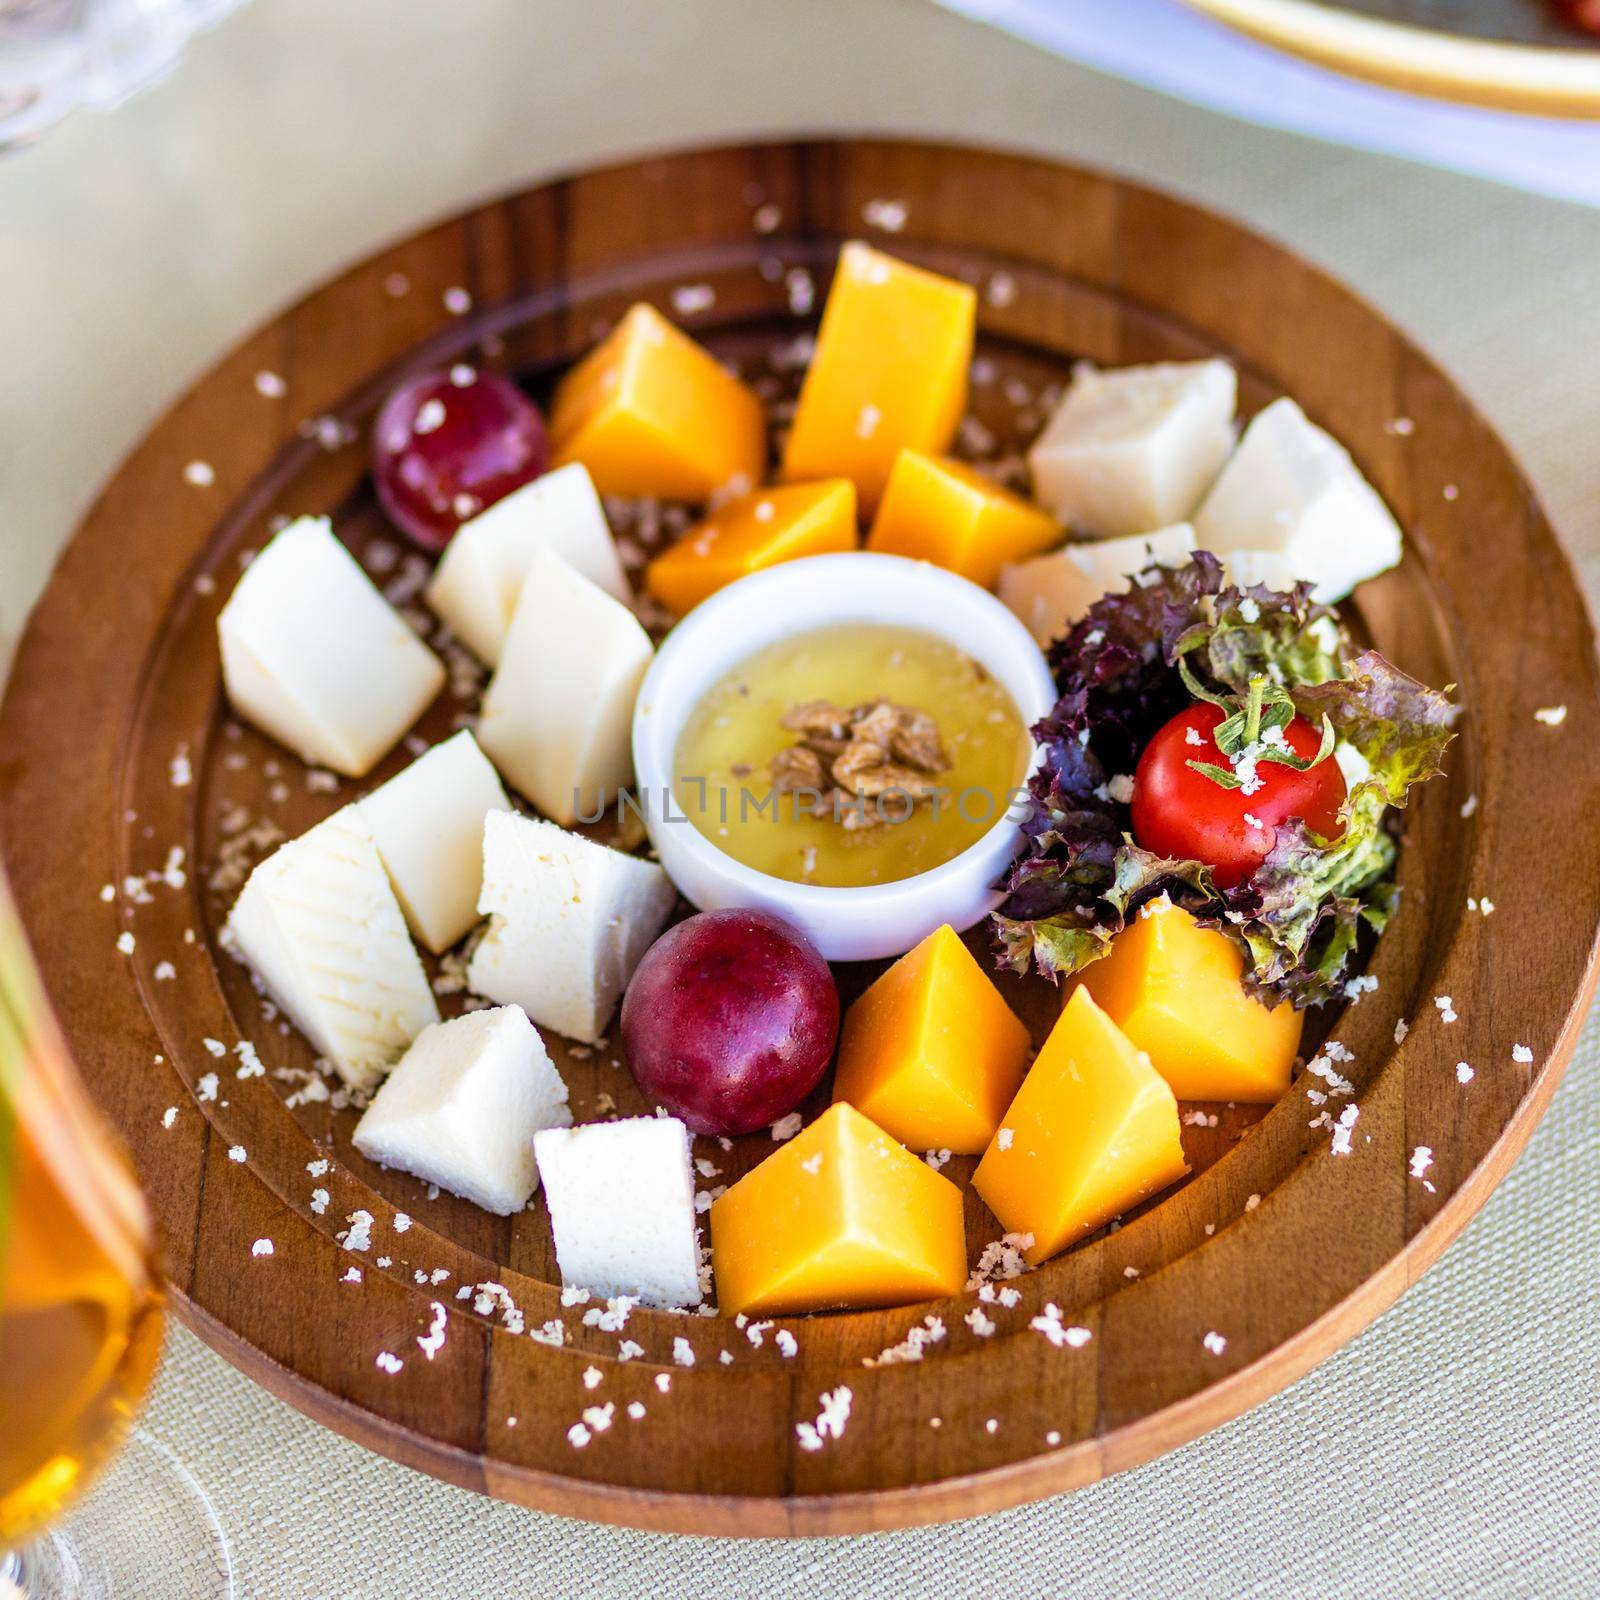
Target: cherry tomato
{"points": [[1182, 813], [447, 445]]}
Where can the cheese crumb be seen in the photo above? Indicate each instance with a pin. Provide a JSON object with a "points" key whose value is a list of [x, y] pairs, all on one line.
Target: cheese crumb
{"points": [[432, 1342], [937, 1159], [1463, 1072], [889, 215], [236, 1152], [169, 1116], [262, 1247], [1003, 1139], [1446, 1007], [831, 1420], [635, 1410], [1421, 1160], [1551, 716], [787, 1127], [1062, 1336], [689, 298], [1215, 1343], [270, 385], [1401, 1029], [1521, 1054], [215, 1046], [1344, 1131], [200, 473], [125, 943], [457, 301], [663, 1381], [911, 1348], [578, 1436], [980, 1324], [592, 1377], [682, 1353]]}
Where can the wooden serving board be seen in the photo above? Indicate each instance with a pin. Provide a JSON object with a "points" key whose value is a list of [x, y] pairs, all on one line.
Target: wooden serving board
{"points": [[118, 759]]}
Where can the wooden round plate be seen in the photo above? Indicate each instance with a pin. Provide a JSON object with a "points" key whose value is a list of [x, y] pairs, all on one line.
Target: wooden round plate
{"points": [[119, 761]]}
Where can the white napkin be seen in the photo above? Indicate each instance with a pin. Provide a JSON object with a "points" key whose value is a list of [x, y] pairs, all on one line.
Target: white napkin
{"points": [[1166, 46]]}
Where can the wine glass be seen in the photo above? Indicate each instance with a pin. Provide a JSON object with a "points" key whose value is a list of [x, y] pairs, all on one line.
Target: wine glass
{"points": [[81, 1319], [57, 55]]}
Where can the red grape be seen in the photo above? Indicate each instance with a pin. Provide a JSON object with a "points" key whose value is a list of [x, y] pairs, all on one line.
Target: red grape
{"points": [[447, 445], [730, 1020]]}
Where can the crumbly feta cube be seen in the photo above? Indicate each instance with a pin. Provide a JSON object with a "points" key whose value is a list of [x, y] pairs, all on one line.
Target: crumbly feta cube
{"points": [[320, 926], [1291, 504], [477, 584], [571, 920], [558, 715], [316, 657], [427, 822], [621, 1199], [462, 1107], [1135, 448], [1050, 592]]}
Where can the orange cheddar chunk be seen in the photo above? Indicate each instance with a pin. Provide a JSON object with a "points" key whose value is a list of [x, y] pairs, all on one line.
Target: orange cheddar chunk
{"points": [[930, 1052], [840, 1216], [890, 370], [1092, 1132], [946, 512], [1173, 987], [750, 532], [650, 412]]}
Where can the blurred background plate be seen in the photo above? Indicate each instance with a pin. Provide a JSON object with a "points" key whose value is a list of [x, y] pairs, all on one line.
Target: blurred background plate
{"points": [[1516, 55]]}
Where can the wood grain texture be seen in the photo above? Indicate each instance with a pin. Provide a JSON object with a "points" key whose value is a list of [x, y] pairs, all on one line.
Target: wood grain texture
{"points": [[1276, 1244]]}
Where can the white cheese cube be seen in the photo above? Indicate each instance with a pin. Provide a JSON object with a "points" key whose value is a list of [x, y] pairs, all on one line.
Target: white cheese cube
{"points": [[427, 822], [1050, 592], [463, 1106], [571, 920], [476, 587], [316, 657], [1291, 504], [621, 1199], [558, 715], [320, 925], [1135, 448]]}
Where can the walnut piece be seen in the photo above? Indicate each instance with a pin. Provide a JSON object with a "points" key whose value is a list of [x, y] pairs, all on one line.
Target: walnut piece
{"points": [[853, 759]]}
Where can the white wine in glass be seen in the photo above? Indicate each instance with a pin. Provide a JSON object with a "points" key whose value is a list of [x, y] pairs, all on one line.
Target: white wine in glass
{"points": [[81, 1319]]}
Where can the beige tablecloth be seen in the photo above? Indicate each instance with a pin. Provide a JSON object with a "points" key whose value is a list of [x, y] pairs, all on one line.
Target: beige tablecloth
{"points": [[1453, 1449]]}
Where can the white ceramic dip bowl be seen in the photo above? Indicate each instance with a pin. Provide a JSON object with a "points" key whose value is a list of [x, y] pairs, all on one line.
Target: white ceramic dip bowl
{"points": [[849, 923]]}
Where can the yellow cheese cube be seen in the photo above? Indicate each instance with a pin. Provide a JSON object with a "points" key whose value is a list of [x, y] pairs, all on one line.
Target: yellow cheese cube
{"points": [[649, 412], [750, 532], [840, 1216], [890, 370], [1173, 987], [930, 1052], [1091, 1133], [946, 512]]}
